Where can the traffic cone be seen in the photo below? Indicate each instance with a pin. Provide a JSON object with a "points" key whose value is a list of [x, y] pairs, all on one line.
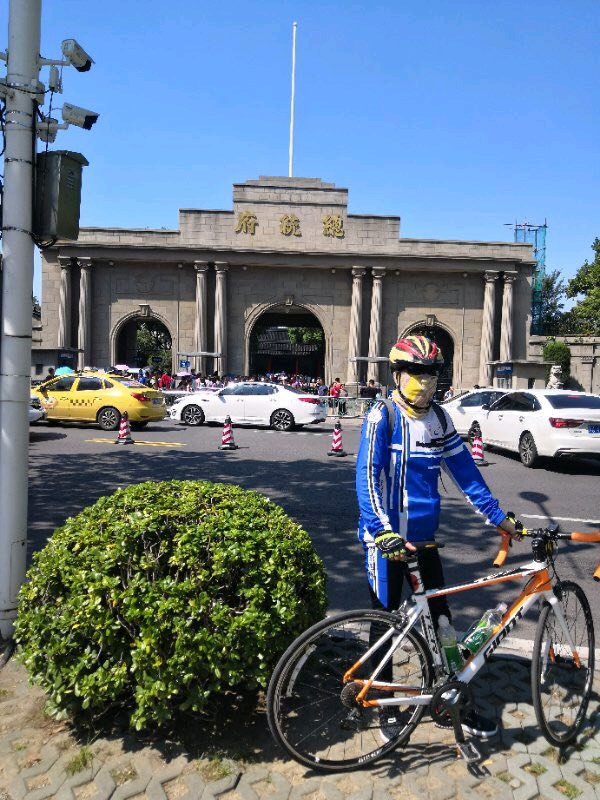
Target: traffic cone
{"points": [[477, 446], [336, 441], [124, 436], [227, 442]]}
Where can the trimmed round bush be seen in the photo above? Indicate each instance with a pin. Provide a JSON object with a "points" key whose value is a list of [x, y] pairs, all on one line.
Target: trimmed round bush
{"points": [[162, 595]]}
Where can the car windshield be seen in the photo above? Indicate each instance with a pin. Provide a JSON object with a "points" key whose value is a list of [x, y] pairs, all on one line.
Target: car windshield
{"points": [[574, 401]]}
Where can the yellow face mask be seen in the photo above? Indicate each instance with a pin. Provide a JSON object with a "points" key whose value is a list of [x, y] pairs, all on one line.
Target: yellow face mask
{"points": [[418, 389]]}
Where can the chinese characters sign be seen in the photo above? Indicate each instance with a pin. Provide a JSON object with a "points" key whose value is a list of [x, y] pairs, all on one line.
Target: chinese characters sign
{"points": [[289, 225], [247, 222], [333, 226]]}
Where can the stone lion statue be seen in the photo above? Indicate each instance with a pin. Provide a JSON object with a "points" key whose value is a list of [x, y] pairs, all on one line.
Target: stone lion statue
{"points": [[555, 380]]}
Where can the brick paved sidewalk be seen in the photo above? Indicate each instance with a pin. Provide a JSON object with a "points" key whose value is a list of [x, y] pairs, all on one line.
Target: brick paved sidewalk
{"points": [[236, 759]]}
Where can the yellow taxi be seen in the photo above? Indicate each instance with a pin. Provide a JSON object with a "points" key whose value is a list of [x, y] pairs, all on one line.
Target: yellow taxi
{"points": [[99, 397]]}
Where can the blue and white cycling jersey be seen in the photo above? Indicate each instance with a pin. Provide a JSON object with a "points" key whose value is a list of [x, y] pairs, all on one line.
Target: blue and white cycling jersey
{"points": [[397, 481]]}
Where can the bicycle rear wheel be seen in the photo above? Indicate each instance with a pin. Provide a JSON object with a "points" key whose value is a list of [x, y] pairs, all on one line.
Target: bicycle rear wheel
{"points": [[560, 687], [314, 716]]}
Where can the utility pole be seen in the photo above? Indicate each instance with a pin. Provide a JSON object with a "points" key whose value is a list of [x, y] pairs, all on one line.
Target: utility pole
{"points": [[17, 284]]}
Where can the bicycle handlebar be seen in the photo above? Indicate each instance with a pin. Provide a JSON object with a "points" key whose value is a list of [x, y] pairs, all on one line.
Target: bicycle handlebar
{"points": [[575, 536]]}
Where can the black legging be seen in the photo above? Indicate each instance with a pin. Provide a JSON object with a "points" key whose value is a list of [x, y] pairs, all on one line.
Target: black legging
{"points": [[432, 576]]}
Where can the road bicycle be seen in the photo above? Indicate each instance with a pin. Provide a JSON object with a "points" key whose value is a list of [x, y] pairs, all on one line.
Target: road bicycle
{"points": [[354, 686]]}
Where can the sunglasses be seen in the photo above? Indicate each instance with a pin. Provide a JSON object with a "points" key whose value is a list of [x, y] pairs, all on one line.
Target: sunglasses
{"points": [[418, 369]]}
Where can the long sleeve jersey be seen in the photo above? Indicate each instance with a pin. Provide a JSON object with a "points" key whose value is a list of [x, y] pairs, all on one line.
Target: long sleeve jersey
{"points": [[397, 480]]}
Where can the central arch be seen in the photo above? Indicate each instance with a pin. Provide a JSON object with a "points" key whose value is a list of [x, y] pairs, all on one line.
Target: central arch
{"points": [[445, 342], [288, 339]]}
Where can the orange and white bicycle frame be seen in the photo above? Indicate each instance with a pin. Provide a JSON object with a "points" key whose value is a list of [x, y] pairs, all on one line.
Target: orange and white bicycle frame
{"points": [[539, 587]]}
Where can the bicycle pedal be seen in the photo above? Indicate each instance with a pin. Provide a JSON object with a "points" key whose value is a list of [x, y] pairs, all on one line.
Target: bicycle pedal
{"points": [[468, 752]]}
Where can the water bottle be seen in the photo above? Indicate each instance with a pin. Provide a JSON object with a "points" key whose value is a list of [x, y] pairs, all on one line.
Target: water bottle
{"points": [[481, 631], [447, 636]]}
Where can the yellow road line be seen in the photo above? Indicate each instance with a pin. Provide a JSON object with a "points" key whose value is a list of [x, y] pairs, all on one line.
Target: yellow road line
{"points": [[141, 444]]}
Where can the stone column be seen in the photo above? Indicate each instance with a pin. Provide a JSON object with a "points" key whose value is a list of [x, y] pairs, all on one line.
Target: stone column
{"points": [[375, 326], [200, 330], [64, 306], [506, 331], [221, 268], [85, 313], [358, 273], [487, 329]]}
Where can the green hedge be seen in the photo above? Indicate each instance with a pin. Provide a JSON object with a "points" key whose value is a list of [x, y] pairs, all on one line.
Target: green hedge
{"points": [[163, 595]]}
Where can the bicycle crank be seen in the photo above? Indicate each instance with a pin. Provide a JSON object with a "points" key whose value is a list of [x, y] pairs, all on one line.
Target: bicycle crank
{"points": [[449, 706]]}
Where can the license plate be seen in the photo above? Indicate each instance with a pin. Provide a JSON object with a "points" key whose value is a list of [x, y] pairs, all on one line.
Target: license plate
{"points": [[156, 401], [594, 429]]}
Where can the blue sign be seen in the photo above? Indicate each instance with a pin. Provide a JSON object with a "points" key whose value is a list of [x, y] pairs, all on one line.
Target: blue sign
{"points": [[504, 370], [183, 364]]}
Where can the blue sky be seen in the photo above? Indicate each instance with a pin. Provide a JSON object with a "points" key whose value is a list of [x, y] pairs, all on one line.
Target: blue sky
{"points": [[456, 116]]}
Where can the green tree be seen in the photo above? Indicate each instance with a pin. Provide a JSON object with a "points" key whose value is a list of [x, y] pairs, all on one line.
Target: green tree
{"points": [[552, 315], [558, 353], [153, 342], [585, 315], [305, 335]]}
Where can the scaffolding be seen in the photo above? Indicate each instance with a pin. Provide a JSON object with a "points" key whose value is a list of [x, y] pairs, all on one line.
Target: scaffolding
{"points": [[536, 235]]}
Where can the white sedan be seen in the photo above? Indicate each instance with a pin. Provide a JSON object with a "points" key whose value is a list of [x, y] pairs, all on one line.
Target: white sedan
{"points": [[543, 422], [256, 403], [36, 412], [466, 407]]}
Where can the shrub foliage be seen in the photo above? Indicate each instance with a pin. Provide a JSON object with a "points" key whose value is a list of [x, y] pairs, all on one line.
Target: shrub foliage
{"points": [[558, 352], [163, 595]]}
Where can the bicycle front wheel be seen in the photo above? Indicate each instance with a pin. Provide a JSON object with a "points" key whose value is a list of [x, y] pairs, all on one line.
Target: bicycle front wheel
{"points": [[314, 716], [561, 681]]}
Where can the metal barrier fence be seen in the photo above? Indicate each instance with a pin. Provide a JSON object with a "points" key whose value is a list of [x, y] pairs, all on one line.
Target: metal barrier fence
{"points": [[352, 407]]}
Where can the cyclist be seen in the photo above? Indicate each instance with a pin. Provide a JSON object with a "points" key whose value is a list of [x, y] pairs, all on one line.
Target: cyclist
{"points": [[422, 441]]}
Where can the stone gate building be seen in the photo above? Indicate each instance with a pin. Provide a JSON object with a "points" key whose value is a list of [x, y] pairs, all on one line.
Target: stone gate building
{"points": [[289, 250]]}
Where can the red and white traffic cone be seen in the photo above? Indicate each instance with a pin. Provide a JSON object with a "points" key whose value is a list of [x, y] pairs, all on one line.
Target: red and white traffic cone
{"points": [[336, 441], [227, 442], [477, 448], [124, 436]]}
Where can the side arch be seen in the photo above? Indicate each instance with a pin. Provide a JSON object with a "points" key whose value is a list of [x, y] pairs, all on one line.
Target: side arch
{"points": [[137, 315]]}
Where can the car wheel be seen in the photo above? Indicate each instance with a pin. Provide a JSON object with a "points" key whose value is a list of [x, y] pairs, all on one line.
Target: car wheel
{"points": [[528, 451], [109, 418], [282, 420], [192, 415]]}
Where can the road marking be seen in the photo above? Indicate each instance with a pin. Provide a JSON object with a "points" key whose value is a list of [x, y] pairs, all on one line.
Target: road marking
{"points": [[562, 519], [141, 444]]}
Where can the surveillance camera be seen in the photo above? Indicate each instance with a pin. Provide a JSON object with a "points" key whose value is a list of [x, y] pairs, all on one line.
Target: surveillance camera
{"points": [[47, 129], [77, 56], [79, 116]]}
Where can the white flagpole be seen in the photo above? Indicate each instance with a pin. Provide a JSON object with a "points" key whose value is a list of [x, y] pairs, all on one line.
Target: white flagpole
{"points": [[291, 161]]}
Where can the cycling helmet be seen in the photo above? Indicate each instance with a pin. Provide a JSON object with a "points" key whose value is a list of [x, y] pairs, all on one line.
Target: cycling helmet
{"points": [[417, 350]]}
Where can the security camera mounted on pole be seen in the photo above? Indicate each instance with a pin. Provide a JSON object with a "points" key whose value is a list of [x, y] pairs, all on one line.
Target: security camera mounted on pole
{"points": [[21, 92]]}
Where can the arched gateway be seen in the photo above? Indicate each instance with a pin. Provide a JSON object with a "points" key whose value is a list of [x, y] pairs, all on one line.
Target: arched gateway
{"points": [[229, 282]]}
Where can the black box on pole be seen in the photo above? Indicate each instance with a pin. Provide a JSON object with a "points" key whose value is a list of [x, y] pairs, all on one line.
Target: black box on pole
{"points": [[58, 194]]}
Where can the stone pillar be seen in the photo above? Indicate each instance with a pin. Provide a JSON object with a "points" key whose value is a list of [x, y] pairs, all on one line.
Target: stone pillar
{"points": [[84, 328], [487, 329], [221, 268], [64, 306], [200, 330], [506, 331], [358, 273], [375, 326]]}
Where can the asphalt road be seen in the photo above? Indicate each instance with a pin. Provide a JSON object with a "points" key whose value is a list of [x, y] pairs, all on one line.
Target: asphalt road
{"points": [[72, 466]]}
